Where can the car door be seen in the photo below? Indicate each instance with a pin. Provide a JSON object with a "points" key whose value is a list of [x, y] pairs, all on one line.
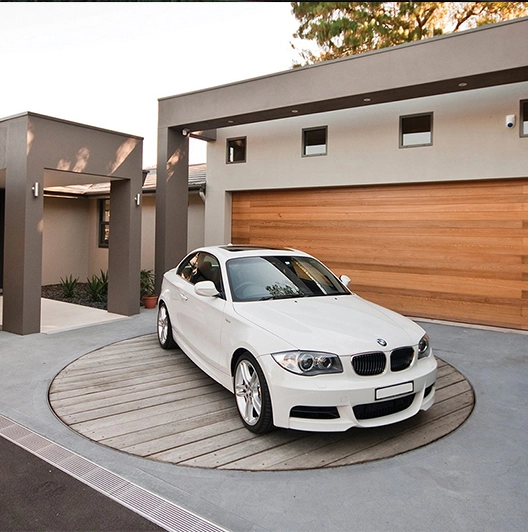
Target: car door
{"points": [[197, 318]]}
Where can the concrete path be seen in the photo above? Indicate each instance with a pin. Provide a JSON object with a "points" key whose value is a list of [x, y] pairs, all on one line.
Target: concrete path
{"points": [[475, 479]]}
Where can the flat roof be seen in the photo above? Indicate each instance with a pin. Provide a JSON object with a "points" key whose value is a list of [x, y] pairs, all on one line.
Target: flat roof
{"points": [[482, 57]]}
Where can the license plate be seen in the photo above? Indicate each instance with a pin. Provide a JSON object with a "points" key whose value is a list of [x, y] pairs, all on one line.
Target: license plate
{"points": [[393, 391]]}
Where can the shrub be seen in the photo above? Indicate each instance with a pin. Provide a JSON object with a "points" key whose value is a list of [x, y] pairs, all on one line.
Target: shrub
{"points": [[97, 287], [69, 286]]}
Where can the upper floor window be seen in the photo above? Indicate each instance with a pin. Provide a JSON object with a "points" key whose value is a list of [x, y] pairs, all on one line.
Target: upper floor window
{"points": [[524, 119], [236, 150], [104, 222], [416, 130], [314, 141]]}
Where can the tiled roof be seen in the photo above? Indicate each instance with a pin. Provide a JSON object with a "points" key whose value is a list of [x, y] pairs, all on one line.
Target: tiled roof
{"points": [[197, 181], [197, 177]]}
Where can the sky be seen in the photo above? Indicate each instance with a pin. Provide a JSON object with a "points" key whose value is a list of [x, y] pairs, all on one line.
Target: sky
{"points": [[106, 64]]}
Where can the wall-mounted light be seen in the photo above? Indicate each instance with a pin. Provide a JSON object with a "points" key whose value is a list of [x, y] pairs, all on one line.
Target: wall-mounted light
{"points": [[35, 188], [138, 199], [185, 132]]}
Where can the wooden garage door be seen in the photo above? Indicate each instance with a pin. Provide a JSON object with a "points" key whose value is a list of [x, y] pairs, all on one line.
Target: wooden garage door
{"points": [[455, 251]]}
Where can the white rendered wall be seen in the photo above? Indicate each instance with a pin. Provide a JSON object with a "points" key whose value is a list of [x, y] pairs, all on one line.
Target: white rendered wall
{"points": [[470, 141]]}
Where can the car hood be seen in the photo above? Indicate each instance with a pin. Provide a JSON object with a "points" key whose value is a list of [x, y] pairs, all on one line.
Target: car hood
{"points": [[343, 324]]}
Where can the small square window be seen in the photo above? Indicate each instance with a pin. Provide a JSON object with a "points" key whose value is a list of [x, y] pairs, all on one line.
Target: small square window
{"points": [[416, 130], [236, 150], [524, 119], [314, 141], [104, 222]]}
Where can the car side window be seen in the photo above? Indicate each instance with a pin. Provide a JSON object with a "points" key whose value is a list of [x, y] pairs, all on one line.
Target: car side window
{"points": [[202, 267]]}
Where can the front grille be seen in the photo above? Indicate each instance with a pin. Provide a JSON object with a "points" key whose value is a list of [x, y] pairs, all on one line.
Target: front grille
{"points": [[401, 358], [369, 364], [315, 412], [385, 408]]}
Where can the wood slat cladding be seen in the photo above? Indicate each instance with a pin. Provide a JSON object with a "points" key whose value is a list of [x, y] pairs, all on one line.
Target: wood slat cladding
{"points": [[451, 250]]}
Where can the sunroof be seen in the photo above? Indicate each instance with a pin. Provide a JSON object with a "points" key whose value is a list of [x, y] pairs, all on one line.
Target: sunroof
{"points": [[235, 249]]}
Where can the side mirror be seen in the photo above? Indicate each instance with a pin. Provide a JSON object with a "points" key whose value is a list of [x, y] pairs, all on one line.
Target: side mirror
{"points": [[206, 289], [345, 280]]}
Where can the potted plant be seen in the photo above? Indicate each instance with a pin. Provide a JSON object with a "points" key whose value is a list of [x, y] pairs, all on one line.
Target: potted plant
{"points": [[148, 287]]}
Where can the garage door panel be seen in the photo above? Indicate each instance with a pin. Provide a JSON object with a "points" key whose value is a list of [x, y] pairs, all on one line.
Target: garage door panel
{"points": [[421, 282], [480, 243], [454, 251], [444, 308], [485, 270]]}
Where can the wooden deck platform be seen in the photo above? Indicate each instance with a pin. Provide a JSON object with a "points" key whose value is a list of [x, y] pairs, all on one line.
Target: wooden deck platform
{"points": [[138, 398]]}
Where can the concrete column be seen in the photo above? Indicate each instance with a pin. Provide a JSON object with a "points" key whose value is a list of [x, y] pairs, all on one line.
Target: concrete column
{"points": [[172, 193], [23, 232], [124, 253]]}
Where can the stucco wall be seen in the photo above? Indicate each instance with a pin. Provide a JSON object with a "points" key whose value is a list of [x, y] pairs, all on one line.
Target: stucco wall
{"points": [[70, 239], [470, 141], [65, 239], [196, 222]]}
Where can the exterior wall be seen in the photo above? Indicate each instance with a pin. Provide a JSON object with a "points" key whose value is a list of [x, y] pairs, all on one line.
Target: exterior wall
{"points": [[148, 231], [470, 141], [70, 239], [65, 239], [196, 222]]}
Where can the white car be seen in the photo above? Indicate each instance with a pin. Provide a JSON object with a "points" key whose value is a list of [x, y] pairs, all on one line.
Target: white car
{"points": [[295, 346]]}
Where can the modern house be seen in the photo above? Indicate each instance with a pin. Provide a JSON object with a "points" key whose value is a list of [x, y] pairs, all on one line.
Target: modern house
{"points": [[38, 153], [64, 204], [77, 221], [404, 168]]}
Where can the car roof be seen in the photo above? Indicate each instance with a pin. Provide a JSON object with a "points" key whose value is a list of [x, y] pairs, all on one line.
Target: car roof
{"points": [[231, 251]]}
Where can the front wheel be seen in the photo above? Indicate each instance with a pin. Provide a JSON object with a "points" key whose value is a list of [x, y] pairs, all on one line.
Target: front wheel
{"points": [[164, 328], [252, 395]]}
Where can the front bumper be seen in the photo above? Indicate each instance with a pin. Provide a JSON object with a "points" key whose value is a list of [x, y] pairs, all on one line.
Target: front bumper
{"points": [[326, 402]]}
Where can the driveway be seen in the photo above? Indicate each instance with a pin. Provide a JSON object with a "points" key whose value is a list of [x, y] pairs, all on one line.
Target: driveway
{"points": [[474, 479]]}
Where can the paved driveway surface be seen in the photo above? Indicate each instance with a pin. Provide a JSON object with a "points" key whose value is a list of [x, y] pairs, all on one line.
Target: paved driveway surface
{"points": [[476, 479]]}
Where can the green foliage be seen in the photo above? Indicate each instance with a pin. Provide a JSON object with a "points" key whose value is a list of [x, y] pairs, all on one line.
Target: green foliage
{"points": [[340, 29], [97, 287], [147, 283], [69, 286]]}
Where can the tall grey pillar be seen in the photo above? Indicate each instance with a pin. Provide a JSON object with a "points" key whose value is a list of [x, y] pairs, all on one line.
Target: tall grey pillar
{"points": [[124, 253], [172, 193], [23, 233]]}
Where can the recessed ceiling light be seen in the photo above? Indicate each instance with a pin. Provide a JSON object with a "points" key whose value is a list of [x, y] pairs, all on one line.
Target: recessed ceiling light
{"points": [[294, 111], [462, 84], [367, 99]]}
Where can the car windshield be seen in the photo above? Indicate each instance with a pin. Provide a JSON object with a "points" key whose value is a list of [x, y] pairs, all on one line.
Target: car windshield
{"points": [[280, 277]]}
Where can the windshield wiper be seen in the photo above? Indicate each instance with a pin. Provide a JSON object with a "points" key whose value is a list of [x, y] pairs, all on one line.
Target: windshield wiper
{"points": [[282, 296]]}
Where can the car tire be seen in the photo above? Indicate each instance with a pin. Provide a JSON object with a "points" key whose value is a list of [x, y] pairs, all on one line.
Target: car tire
{"points": [[252, 395], [164, 328]]}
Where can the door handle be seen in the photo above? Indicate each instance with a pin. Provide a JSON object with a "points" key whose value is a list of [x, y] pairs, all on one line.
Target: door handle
{"points": [[183, 296]]}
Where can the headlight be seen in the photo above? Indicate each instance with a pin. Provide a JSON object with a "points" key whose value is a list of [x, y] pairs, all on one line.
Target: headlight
{"points": [[424, 347], [309, 362]]}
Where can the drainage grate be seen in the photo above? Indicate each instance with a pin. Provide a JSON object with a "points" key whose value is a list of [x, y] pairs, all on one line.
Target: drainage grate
{"points": [[151, 506]]}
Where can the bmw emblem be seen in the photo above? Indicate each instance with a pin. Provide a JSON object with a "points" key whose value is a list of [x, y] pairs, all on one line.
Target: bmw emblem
{"points": [[382, 342]]}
